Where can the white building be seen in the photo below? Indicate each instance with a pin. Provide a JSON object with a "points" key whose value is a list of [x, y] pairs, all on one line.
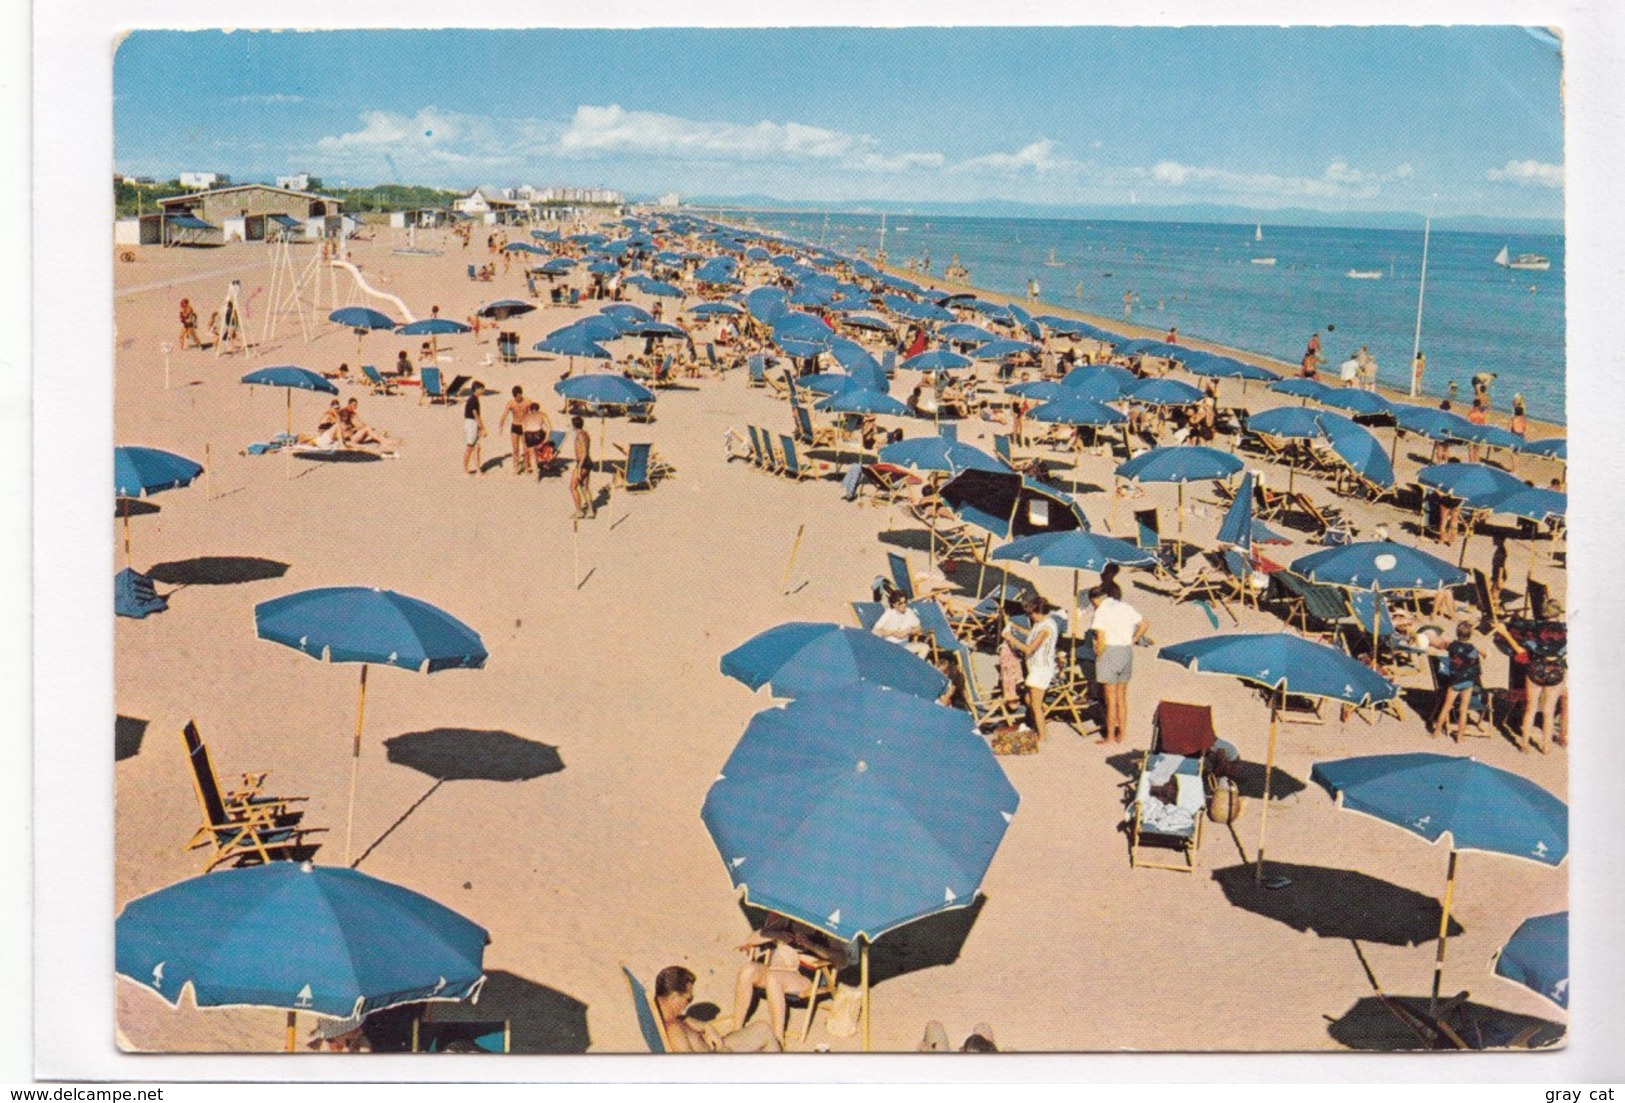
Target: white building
{"points": [[201, 180], [302, 181], [669, 200]]}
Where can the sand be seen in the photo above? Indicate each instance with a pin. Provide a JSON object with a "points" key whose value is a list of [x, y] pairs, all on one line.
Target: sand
{"points": [[605, 861]]}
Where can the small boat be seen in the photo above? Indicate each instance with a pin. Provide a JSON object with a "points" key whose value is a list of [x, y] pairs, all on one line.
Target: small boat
{"points": [[1527, 262], [1364, 273], [1258, 232], [1052, 262], [1263, 260]]}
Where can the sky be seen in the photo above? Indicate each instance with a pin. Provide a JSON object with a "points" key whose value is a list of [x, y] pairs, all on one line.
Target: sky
{"points": [[1450, 121]]}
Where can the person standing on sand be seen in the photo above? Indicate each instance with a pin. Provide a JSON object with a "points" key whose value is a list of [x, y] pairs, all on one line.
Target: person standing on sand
{"points": [[581, 476], [1039, 650], [189, 325], [473, 430], [538, 439], [512, 414], [1128, 304], [1417, 368], [1117, 627]]}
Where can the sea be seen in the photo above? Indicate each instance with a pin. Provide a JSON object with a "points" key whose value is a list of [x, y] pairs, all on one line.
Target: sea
{"points": [[1476, 316]]}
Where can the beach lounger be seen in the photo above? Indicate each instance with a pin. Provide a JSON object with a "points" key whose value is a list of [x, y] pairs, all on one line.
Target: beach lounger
{"points": [[244, 833], [246, 799], [770, 462], [432, 1036], [457, 385], [757, 369], [1210, 583], [797, 468], [711, 358], [951, 539], [433, 391], [1313, 602], [985, 710], [473, 274], [649, 1021], [379, 384], [779, 383], [887, 483], [1164, 818], [888, 363], [900, 575], [1148, 537], [815, 436], [641, 412], [635, 472], [1487, 596], [575, 296], [758, 455]]}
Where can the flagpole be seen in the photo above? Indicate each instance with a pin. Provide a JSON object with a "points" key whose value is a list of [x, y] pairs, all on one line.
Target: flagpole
{"points": [[1416, 345]]}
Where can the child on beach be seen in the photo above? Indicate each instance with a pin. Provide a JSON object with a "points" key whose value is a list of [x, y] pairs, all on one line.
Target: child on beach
{"points": [[1463, 668], [189, 325]]}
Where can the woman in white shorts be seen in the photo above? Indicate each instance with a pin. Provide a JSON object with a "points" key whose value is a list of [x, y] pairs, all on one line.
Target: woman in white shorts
{"points": [[1039, 650]]}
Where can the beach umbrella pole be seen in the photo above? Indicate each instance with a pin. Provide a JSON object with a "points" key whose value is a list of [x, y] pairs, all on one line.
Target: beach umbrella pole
{"points": [[1179, 521], [1277, 702], [1444, 932], [864, 969], [355, 763], [789, 565], [126, 504], [289, 391]]}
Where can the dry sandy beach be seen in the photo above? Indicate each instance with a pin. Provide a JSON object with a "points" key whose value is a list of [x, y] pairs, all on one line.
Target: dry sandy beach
{"points": [[604, 860]]}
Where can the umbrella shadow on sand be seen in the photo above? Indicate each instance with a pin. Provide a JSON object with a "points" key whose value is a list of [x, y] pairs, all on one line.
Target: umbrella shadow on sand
{"points": [[1337, 903], [1404, 1023], [128, 732], [217, 570], [1250, 783], [540, 1019], [934, 940], [465, 754], [135, 507], [347, 456]]}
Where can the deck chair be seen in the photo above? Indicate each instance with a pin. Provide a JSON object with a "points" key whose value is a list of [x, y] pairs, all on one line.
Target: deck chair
{"points": [[888, 363], [491, 1036], [1488, 600], [1209, 583], [1269, 503], [640, 411], [1167, 824], [433, 391], [711, 358], [797, 468], [815, 436], [1480, 702], [1334, 528], [379, 384], [649, 1022], [758, 455], [1001, 449], [1240, 574], [901, 578], [771, 461], [472, 273], [575, 296], [985, 710], [636, 472], [246, 799], [457, 384], [887, 483], [1148, 537], [756, 367], [249, 832], [779, 383], [1307, 601], [1534, 597], [135, 596]]}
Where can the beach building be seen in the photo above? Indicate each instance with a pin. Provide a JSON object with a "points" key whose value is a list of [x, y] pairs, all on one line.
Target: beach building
{"points": [[489, 205], [257, 212], [424, 218], [302, 181], [669, 200], [202, 180]]}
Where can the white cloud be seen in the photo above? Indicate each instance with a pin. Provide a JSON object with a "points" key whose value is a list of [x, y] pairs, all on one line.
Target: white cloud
{"points": [[1339, 181], [602, 130], [1535, 173], [435, 139], [1037, 156]]}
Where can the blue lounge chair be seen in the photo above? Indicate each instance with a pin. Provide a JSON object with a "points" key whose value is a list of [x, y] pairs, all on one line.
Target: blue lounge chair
{"points": [[472, 274], [901, 577], [134, 596], [380, 385], [807, 433], [711, 356], [794, 467], [888, 363], [757, 366], [575, 296], [641, 411], [637, 471], [433, 389], [649, 1024], [984, 710], [948, 432], [489, 1036], [1001, 449]]}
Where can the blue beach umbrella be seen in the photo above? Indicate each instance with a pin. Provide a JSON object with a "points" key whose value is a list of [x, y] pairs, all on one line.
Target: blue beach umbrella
{"points": [[859, 811], [936, 360], [1008, 504], [1537, 957], [1380, 563], [366, 625], [916, 311], [1137, 346], [1480, 807], [936, 453], [651, 328], [1431, 423], [431, 327], [604, 388], [854, 357], [1180, 464], [1359, 449], [597, 327], [1043, 390], [291, 378], [799, 349], [627, 311], [501, 309], [712, 310], [1104, 383], [288, 936], [1025, 321], [1537, 503], [1000, 349], [1289, 422], [802, 327], [572, 342], [1491, 435], [139, 471], [1076, 409], [1299, 387], [1475, 483], [1356, 401], [1280, 663], [603, 268], [523, 247], [800, 658], [1240, 529], [862, 400], [362, 317], [1163, 392], [869, 322], [826, 383], [964, 331], [662, 289], [1555, 447], [1080, 550]]}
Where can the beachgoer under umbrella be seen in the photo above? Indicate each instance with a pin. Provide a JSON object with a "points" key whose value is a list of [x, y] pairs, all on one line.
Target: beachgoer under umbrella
{"points": [[674, 992], [787, 947], [901, 625]]}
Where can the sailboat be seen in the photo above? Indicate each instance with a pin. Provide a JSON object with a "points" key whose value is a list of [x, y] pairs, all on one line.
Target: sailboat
{"points": [[880, 254], [1052, 262], [1258, 235], [1528, 262]]}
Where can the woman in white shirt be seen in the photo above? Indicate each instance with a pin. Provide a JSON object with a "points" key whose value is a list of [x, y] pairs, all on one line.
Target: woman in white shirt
{"points": [[1039, 650], [901, 625], [1117, 626]]}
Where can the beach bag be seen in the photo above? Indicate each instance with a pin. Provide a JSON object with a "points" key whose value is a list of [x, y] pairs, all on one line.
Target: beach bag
{"points": [[1014, 740], [845, 1008], [1225, 802]]}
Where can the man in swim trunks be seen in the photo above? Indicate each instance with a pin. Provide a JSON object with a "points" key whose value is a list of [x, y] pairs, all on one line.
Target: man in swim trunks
{"points": [[581, 477], [512, 414], [537, 430]]}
